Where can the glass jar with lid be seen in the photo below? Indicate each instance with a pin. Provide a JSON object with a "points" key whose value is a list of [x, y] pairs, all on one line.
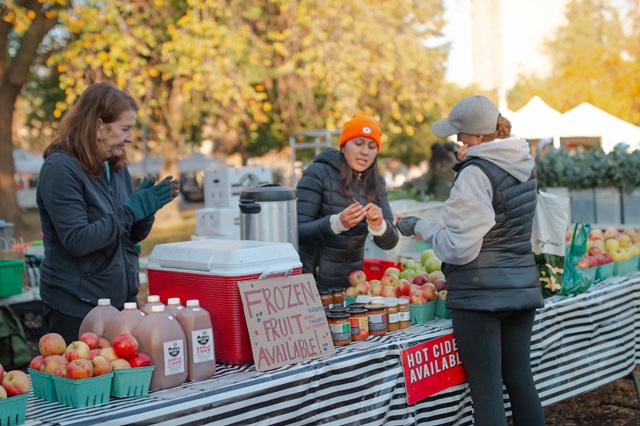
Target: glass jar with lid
{"points": [[404, 317], [377, 315], [391, 305]]}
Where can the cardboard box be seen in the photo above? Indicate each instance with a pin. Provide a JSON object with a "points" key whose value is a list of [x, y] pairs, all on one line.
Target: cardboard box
{"points": [[209, 270]]}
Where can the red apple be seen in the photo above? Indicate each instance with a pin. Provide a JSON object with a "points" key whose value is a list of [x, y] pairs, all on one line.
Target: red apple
{"points": [[388, 291], [94, 353], [81, 368], [429, 290], [2, 372], [593, 250], [16, 382], [51, 362], [101, 365], [421, 278], [356, 277], [120, 363], [583, 263], [375, 289], [406, 298], [404, 287], [35, 364], [126, 345], [3, 393], [440, 284], [140, 360], [435, 276], [362, 288], [418, 297], [52, 344], [108, 353], [61, 370], [596, 234], [91, 339], [77, 350], [103, 343], [389, 280], [351, 292]]}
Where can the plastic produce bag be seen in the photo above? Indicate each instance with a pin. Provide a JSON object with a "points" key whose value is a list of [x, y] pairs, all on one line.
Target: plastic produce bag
{"points": [[548, 240], [576, 280]]}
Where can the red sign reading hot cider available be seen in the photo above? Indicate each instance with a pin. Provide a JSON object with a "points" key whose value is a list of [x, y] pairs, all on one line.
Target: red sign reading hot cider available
{"points": [[431, 367]]}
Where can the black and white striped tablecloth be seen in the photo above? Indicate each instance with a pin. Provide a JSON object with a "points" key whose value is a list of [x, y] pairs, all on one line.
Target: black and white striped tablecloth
{"points": [[579, 343]]}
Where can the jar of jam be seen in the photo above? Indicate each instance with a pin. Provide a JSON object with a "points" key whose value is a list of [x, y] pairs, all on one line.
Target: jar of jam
{"points": [[326, 299], [339, 297], [338, 309], [359, 323], [391, 304], [340, 328], [377, 316], [404, 318]]}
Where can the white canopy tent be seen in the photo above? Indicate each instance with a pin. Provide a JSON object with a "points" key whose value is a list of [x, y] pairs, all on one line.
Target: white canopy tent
{"points": [[536, 120], [26, 162], [586, 120], [194, 163]]}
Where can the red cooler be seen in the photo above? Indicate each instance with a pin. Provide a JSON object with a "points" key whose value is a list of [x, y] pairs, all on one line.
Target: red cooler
{"points": [[209, 270]]}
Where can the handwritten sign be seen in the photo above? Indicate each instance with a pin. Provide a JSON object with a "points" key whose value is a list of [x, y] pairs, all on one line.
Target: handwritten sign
{"points": [[286, 321], [431, 367]]}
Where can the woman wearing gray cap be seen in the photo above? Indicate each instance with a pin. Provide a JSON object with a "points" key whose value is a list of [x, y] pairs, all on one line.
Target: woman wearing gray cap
{"points": [[493, 287]]}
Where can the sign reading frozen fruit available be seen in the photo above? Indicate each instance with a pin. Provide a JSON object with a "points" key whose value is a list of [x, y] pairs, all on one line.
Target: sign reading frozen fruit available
{"points": [[431, 367], [286, 321]]}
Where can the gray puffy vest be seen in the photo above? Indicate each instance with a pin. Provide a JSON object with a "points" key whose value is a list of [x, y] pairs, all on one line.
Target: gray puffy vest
{"points": [[504, 276]]}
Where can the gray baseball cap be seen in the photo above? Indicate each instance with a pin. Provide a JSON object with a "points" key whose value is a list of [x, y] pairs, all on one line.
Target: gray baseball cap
{"points": [[474, 115]]}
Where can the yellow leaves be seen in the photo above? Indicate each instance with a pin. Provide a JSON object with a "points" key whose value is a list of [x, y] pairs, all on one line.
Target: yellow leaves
{"points": [[153, 72], [266, 107], [57, 113], [61, 68], [31, 15]]}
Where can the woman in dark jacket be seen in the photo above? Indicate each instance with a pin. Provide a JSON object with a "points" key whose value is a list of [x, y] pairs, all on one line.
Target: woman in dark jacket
{"points": [[91, 217], [341, 199]]}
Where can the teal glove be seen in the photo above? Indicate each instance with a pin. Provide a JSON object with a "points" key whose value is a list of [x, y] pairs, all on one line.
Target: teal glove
{"points": [[147, 182], [147, 199]]}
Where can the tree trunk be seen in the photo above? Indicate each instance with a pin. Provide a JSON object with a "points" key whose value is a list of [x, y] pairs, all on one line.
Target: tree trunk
{"points": [[14, 73]]}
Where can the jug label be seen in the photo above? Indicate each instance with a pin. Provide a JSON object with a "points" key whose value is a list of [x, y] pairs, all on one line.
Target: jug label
{"points": [[174, 361], [202, 341]]}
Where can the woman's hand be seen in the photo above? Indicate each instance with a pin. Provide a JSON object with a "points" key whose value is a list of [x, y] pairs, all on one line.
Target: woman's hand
{"points": [[374, 215], [352, 215], [462, 152]]}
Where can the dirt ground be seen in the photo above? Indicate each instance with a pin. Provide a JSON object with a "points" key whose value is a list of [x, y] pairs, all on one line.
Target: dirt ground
{"points": [[614, 404]]}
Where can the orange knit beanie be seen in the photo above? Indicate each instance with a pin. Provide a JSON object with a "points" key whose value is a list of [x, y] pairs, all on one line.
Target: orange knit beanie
{"points": [[362, 124]]}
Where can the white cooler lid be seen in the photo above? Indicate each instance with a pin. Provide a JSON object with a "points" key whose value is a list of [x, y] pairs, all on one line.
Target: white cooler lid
{"points": [[224, 257]]}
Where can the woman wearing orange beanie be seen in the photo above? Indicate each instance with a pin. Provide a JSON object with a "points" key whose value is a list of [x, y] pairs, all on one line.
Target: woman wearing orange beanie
{"points": [[341, 200]]}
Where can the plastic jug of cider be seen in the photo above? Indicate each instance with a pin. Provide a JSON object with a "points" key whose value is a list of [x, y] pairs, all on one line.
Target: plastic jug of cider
{"points": [[97, 318], [160, 336], [124, 321], [173, 306], [152, 299], [196, 323]]}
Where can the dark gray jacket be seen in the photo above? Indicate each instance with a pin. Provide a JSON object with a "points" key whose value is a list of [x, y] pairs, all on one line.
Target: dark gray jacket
{"points": [[89, 238], [328, 256], [504, 276]]}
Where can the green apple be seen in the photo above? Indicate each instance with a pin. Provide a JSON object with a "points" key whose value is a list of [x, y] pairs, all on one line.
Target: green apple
{"points": [[408, 264], [408, 273], [433, 264], [393, 271], [427, 254]]}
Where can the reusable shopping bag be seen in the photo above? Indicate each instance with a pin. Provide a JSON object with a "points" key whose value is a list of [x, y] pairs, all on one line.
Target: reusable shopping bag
{"points": [[548, 240], [576, 280]]}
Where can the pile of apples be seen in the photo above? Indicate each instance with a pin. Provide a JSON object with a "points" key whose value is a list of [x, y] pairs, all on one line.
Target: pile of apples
{"points": [[609, 245], [417, 281], [13, 383], [89, 356]]}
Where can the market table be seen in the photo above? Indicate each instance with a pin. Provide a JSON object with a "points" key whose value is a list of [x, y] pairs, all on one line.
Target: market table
{"points": [[579, 343]]}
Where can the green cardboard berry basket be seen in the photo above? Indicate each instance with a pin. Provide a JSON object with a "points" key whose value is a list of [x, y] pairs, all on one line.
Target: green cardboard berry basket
{"points": [[420, 313], [605, 271], [11, 272], [624, 267], [129, 382], [13, 410], [442, 311], [83, 392], [42, 385]]}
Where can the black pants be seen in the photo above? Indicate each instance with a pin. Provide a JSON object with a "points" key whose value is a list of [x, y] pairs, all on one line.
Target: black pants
{"points": [[65, 325], [495, 349]]}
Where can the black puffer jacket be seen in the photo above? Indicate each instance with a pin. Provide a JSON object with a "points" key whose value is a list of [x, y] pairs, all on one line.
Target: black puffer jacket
{"points": [[328, 256]]}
